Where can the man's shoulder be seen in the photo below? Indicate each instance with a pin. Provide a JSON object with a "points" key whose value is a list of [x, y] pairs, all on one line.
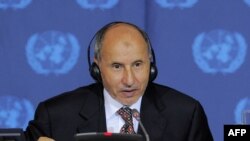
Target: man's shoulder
{"points": [[173, 100], [77, 96], [172, 96]]}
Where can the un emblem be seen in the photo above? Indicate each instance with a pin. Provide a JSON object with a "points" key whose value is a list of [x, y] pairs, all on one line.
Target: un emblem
{"points": [[52, 52], [93, 4], [15, 4], [176, 3], [15, 112], [243, 105], [247, 2], [219, 51]]}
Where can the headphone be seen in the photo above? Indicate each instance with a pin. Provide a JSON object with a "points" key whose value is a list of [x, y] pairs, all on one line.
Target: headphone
{"points": [[93, 67]]}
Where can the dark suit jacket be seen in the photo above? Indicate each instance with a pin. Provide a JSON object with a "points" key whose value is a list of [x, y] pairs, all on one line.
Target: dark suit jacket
{"points": [[167, 115]]}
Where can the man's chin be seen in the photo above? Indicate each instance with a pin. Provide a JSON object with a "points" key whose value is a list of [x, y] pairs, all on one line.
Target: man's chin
{"points": [[128, 101]]}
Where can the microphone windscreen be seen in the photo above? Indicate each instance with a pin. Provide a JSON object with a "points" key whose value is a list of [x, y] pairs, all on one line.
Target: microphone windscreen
{"points": [[136, 114]]}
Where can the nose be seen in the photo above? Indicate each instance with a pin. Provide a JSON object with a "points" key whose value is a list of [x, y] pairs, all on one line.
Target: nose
{"points": [[128, 77]]}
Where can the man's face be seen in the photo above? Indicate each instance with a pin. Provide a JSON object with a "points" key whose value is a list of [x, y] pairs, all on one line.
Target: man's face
{"points": [[124, 64]]}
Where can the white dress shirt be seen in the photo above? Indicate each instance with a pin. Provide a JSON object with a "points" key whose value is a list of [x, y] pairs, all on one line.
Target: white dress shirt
{"points": [[114, 121]]}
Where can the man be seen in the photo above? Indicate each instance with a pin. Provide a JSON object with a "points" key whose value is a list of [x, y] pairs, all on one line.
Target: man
{"points": [[124, 68]]}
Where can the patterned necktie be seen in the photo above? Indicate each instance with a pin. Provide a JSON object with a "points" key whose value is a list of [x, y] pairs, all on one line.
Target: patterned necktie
{"points": [[126, 114]]}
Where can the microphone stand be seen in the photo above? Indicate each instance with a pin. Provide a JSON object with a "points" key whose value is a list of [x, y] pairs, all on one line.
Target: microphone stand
{"points": [[136, 115]]}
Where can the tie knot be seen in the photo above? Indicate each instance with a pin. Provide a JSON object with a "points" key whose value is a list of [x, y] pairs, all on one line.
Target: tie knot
{"points": [[125, 109]]}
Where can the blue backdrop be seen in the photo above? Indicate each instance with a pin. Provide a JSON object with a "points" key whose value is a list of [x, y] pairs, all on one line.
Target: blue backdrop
{"points": [[201, 47]]}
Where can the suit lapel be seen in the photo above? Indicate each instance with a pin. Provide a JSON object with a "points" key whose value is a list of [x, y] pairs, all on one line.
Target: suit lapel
{"points": [[151, 114], [93, 112]]}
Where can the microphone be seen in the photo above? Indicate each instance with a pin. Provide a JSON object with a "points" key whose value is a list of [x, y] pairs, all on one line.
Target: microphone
{"points": [[136, 115]]}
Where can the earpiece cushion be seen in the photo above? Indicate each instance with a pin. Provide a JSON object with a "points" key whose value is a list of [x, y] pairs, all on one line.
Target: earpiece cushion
{"points": [[153, 72], [95, 72]]}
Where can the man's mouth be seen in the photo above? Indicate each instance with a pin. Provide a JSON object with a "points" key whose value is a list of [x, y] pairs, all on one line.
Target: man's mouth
{"points": [[129, 93]]}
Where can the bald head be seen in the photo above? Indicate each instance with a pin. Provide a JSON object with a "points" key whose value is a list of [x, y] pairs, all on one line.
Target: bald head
{"points": [[115, 31]]}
